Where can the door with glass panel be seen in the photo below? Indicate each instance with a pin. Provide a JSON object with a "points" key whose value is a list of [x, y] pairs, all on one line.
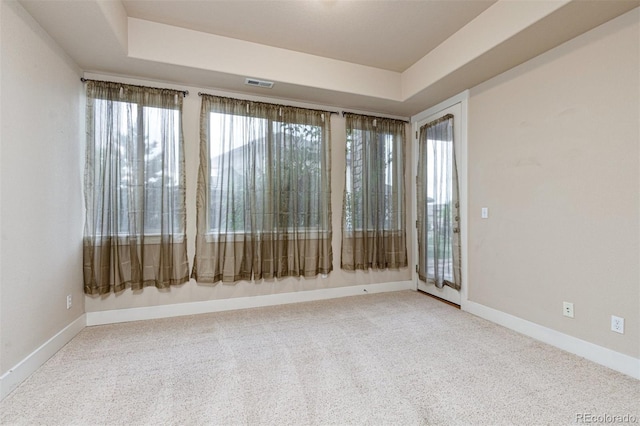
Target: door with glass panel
{"points": [[438, 205]]}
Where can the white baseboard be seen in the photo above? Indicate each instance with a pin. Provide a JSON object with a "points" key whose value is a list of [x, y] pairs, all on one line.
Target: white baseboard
{"points": [[16, 375], [219, 305], [614, 360]]}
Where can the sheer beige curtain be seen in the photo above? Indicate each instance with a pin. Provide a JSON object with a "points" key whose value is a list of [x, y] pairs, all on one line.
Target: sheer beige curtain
{"points": [[263, 200], [438, 205], [373, 215], [134, 189]]}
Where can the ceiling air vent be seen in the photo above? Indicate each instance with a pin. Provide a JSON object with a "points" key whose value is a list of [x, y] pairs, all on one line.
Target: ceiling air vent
{"points": [[258, 83]]}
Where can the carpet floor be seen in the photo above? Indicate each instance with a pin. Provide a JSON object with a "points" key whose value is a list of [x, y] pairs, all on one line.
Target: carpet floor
{"points": [[397, 358]]}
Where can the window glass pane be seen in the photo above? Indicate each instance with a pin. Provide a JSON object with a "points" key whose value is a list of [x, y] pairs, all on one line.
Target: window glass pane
{"points": [[115, 128], [390, 219], [371, 168], [439, 193], [233, 169], [297, 161], [354, 180], [160, 170]]}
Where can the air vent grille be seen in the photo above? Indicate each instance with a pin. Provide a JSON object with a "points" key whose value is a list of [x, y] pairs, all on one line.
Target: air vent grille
{"points": [[258, 83]]}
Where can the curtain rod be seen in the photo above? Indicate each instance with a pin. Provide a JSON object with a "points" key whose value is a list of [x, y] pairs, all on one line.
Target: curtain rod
{"points": [[84, 80], [437, 121], [374, 117], [270, 103]]}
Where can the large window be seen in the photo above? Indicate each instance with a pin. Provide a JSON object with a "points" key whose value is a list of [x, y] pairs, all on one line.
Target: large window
{"points": [[275, 164], [263, 192], [373, 217], [134, 188]]}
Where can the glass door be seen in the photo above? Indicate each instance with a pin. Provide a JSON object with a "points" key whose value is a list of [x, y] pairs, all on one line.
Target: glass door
{"points": [[438, 206]]}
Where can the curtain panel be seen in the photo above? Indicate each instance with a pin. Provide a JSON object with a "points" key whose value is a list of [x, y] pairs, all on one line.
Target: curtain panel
{"points": [[263, 198], [134, 232], [373, 214], [438, 205]]}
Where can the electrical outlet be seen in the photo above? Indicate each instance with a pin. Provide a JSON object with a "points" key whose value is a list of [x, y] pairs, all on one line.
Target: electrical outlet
{"points": [[69, 301], [567, 309], [484, 213], [617, 324]]}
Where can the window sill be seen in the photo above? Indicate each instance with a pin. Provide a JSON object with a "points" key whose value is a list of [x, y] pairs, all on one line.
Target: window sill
{"points": [[144, 239], [240, 236]]}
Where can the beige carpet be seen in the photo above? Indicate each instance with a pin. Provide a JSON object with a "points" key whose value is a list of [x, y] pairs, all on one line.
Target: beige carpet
{"points": [[393, 358]]}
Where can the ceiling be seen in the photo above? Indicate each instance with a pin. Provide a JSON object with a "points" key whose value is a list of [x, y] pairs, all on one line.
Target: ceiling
{"points": [[390, 57], [391, 35]]}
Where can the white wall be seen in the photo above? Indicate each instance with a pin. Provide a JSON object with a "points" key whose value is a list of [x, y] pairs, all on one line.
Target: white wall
{"points": [[554, 147], [41, 192], [194, 292]]}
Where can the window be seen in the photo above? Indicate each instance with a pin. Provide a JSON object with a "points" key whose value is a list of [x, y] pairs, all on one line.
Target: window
{"points": [[134, 188], [379, 185], [136, 140], [253, 158], [263, 191], [373, 228]]}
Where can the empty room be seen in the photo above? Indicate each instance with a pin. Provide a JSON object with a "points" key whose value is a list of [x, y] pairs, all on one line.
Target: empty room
{"points": [[316, 212]]}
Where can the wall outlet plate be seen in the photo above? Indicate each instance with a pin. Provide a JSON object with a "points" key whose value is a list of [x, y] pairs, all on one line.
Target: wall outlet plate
{"points": [[69, 301], [567, 309], [617, 324]]}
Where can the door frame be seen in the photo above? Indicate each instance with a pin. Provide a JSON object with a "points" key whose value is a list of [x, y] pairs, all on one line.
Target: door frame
{"points": [[461, 160]]}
